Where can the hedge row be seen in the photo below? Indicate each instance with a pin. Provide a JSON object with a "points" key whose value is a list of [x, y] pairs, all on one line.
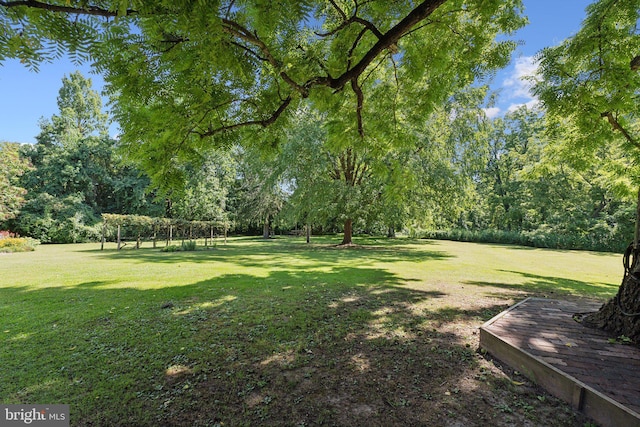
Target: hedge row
{"points": [[536, 239]]}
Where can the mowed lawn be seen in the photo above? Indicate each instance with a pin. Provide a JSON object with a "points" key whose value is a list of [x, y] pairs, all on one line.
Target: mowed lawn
{"points": [[280, 332]]}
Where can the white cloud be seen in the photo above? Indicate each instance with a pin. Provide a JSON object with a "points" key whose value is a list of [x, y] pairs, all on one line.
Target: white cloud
{"points": [[530, 105], [516, 86], [491, 112]]}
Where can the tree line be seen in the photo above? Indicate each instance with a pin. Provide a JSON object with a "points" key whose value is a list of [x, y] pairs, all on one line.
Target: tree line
{"points": [[462, 176]]}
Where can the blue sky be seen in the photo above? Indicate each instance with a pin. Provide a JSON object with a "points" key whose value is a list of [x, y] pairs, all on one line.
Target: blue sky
{"points": [[27, 96]]}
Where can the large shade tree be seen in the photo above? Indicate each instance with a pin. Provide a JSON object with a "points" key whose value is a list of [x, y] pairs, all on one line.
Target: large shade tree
{"points": [[76, 173], [384, 184], [590, 85], [189, 75]]}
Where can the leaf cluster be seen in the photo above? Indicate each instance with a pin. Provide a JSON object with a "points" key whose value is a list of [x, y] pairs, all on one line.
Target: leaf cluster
{"points": [[589, 85]]}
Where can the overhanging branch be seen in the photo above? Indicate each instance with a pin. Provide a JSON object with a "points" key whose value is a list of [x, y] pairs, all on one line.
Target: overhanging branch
{"points": [[261, 51], [264, 122], [421, 12], [88, 10]]}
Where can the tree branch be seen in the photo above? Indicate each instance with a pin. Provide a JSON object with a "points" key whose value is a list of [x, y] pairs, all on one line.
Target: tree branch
{"points": [[239, 31], [246, 49], [360, 102], [616, 125], [264, 122], [88, 10], [422, 11], [337, 8], [386, 41]]}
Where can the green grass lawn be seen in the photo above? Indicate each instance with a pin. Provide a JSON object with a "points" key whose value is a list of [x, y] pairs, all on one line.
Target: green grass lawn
{"points": [[279, 332]]}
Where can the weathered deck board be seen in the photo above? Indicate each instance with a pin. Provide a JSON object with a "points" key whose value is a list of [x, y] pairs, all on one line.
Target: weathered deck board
{"points": [[540, 338]]}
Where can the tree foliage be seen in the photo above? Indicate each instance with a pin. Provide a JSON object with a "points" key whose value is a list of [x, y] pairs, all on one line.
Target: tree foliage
{"points": [[204, 196], [382, 184], [12, 166], [77, 173], [589, 83], [188, 75]]}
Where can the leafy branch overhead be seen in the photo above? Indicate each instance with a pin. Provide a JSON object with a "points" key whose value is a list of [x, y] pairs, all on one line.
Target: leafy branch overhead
{"points": [[183, 73]]}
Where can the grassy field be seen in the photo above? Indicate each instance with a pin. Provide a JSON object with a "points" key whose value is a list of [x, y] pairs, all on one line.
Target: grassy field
{"points": [[280, 332]]}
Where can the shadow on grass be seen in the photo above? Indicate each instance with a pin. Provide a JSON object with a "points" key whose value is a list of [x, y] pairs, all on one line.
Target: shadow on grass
{"points": [[347, 346], [284, 251], [540, 285]]}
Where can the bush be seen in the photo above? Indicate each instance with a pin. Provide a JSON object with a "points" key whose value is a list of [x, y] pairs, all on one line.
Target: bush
{"points": [[598, 239], [18, 244], [189, 246], [185, 247], [53, 220]]}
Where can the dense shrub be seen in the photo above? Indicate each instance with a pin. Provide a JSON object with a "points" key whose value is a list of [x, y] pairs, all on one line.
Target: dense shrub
{"points": [[187, 246], [18, 244], [59, 220], [599, 239]]}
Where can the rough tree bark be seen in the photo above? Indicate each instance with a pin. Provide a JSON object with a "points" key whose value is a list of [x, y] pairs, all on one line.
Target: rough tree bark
{"points": [[348, 232], [621, 314]]}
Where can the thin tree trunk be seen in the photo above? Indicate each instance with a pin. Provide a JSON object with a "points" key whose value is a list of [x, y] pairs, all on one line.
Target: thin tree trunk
{"points": [[265, 228], [348, 231], [308, 233]]}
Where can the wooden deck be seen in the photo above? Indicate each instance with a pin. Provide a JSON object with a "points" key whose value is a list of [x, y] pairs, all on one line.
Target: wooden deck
{"points": [[539, 338]]}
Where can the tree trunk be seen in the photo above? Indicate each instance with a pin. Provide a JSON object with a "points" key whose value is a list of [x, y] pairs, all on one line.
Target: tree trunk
{"points": [[348, 231], [265, 228], [621, 314], [308, 230], [391, 233]]}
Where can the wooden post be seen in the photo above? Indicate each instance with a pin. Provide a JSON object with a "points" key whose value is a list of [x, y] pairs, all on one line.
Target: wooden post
{"points": [[118, 236]]}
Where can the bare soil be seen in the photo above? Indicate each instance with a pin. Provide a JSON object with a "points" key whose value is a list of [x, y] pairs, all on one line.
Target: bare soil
{"points": [[425, 371]]}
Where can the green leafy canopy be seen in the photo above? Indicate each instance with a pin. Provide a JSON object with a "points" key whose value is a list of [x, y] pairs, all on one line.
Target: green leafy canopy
{"points": [[186, 76]]}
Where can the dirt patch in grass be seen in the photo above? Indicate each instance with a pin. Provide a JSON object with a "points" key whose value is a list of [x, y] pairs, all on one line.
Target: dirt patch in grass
{"points": [[367, 361]]}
